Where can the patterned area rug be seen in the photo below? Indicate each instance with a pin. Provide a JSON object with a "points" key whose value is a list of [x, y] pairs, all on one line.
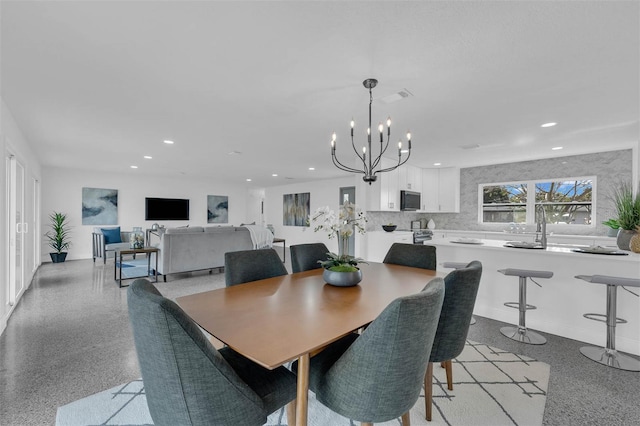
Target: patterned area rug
{"points": [[134, 268], [491, 387]]}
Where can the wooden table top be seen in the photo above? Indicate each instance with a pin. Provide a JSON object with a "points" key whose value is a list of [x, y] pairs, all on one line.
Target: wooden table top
{"points": [[276, 320]]}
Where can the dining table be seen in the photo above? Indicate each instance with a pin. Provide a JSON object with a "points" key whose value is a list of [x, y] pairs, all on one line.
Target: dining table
{"points": [[292, 317]]}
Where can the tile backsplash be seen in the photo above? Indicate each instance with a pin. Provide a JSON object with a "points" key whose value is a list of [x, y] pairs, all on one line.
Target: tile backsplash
{"points": [[608, 167]]}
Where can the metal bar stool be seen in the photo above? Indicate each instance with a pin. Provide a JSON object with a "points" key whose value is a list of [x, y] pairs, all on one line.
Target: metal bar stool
{"points": [[458, 265], [608, 355], [521, 333]]}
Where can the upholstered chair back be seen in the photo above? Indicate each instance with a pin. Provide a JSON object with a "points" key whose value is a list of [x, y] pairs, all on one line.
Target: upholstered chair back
{"points": [[461, 289], [304, 257], [415, 255], [379, 377], [251, 265], [186, 380]]}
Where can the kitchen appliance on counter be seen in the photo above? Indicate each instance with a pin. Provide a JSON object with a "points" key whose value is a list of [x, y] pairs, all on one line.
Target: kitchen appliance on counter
{"points": [[421, 235], [416, 225]]}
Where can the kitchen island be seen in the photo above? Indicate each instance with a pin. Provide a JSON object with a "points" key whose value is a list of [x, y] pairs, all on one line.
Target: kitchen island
{"points": [[562, 299]]}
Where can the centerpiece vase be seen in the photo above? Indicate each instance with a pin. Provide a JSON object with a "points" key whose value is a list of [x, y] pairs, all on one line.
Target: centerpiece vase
{"points": [[343, 244]]}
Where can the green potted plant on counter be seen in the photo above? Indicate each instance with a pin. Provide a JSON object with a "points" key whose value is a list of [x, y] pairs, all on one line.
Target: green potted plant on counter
{"points": [[613, 225], [627, 206], [58, 236]]}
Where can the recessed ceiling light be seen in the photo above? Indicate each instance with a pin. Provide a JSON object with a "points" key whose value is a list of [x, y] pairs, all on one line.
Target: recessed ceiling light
{"points": [[134, 167], [169, 142], [234, 153], [564, 162], [148, 157], [274, 175], [548, 124], [248, 180], [437, 164], [312, 168], [556, 148]]}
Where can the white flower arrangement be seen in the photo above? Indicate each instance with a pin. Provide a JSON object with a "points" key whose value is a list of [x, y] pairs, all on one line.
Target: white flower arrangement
{"points": [[349, 217]]}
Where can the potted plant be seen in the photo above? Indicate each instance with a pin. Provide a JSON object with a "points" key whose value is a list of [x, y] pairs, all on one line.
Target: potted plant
{"points": [[627, 206], [58, 236], [340, 269], [613, 225]]}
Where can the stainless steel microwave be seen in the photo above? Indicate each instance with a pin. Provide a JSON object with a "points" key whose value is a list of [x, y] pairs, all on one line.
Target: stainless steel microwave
{"points": [[409, 201]]}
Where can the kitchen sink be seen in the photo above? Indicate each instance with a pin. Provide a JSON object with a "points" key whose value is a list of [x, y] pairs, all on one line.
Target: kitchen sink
{"points": [[523, 245]]}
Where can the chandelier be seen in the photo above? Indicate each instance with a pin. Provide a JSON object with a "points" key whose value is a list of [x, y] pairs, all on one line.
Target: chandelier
{"points": [[369, 162]]}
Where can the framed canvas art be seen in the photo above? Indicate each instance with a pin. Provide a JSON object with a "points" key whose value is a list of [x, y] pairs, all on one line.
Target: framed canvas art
{"points": [[217, 209], [99, 206], [295, 209]]}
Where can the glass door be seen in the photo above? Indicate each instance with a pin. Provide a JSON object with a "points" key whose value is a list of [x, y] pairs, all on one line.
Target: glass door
{"points": [[17, 227]]}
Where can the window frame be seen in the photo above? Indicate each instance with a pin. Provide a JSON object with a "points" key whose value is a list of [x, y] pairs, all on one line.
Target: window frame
{"points": [[530, 206]]}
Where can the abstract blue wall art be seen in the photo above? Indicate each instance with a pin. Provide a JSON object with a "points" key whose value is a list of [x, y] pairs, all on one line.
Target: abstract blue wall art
{"points": [[99, 206], [217, 209], [295, 209]]}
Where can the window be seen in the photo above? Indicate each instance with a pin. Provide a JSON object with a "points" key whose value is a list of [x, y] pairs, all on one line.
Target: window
{"points": [[566, 201]]}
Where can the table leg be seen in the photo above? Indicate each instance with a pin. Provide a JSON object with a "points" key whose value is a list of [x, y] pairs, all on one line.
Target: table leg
{"points": [[120, 280], [303, 390], [156, 270]]}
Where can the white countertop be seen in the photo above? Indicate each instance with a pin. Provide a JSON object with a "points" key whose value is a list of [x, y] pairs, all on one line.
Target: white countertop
{"points": [[552, 249]]}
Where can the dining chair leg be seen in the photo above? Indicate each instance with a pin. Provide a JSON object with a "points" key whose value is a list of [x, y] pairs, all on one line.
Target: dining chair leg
{"points": [[366, 424], [406, 419], [443, 364], [428, 390], [448, 367], [291, 413]]}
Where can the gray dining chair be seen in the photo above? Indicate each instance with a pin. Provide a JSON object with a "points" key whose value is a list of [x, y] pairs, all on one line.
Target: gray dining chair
{"points": [[187, 381], [415, 255], [461, 289], [377, 376], [304, 257], [252, 265]]}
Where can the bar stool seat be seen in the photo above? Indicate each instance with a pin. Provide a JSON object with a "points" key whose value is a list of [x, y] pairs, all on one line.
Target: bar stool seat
{"points": [[608, 355], [458, 265], [521, 333]]}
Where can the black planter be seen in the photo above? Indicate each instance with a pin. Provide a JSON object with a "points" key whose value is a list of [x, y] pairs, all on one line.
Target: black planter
{"points": [[58, 257]]}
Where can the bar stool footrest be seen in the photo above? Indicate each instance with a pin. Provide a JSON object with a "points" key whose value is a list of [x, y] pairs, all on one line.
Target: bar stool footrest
{"points": [[611, 358], [516, 305], [590, 315]]}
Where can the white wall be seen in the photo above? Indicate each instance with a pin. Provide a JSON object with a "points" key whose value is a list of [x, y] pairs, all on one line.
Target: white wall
{"points": [[324, 193], [12, 141], [62, 191]]}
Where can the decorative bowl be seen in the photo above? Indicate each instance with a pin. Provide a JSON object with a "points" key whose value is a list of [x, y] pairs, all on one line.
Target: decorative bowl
{"points": [[342, 279], [389, 228]]}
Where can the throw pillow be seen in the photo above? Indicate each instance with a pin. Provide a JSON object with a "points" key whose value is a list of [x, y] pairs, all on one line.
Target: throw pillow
{"points": [[111, 235]]}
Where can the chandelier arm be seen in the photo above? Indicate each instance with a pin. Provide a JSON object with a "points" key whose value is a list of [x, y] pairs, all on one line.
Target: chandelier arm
{"points": [[388, 169], [353, 145], [341, 166], [382, 151]]}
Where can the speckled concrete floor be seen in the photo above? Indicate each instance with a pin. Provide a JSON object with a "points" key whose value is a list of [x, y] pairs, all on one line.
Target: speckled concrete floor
{"points": [[69, 337]]}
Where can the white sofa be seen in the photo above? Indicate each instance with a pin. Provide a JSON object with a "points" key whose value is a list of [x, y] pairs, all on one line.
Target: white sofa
{"points": [[198, 248]]}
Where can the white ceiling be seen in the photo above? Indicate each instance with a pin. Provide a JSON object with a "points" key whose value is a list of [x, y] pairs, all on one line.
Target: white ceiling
{"points": [[97, 85]]}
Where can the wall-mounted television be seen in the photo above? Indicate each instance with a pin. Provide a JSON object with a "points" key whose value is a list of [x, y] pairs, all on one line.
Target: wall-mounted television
{"points": [[166, 209]]}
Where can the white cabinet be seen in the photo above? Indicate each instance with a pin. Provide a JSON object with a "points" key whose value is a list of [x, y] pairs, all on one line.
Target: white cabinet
{"points": [[379, 243], [441, 190], [383, 195], [410, 178]]}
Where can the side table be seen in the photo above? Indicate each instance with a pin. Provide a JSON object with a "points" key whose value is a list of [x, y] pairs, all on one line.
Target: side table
{"points": [[144, 250], [284, 247]]}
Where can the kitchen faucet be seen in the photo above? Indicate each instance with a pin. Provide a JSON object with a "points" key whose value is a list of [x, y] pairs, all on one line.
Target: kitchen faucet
{"points": [[541, 227]]}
